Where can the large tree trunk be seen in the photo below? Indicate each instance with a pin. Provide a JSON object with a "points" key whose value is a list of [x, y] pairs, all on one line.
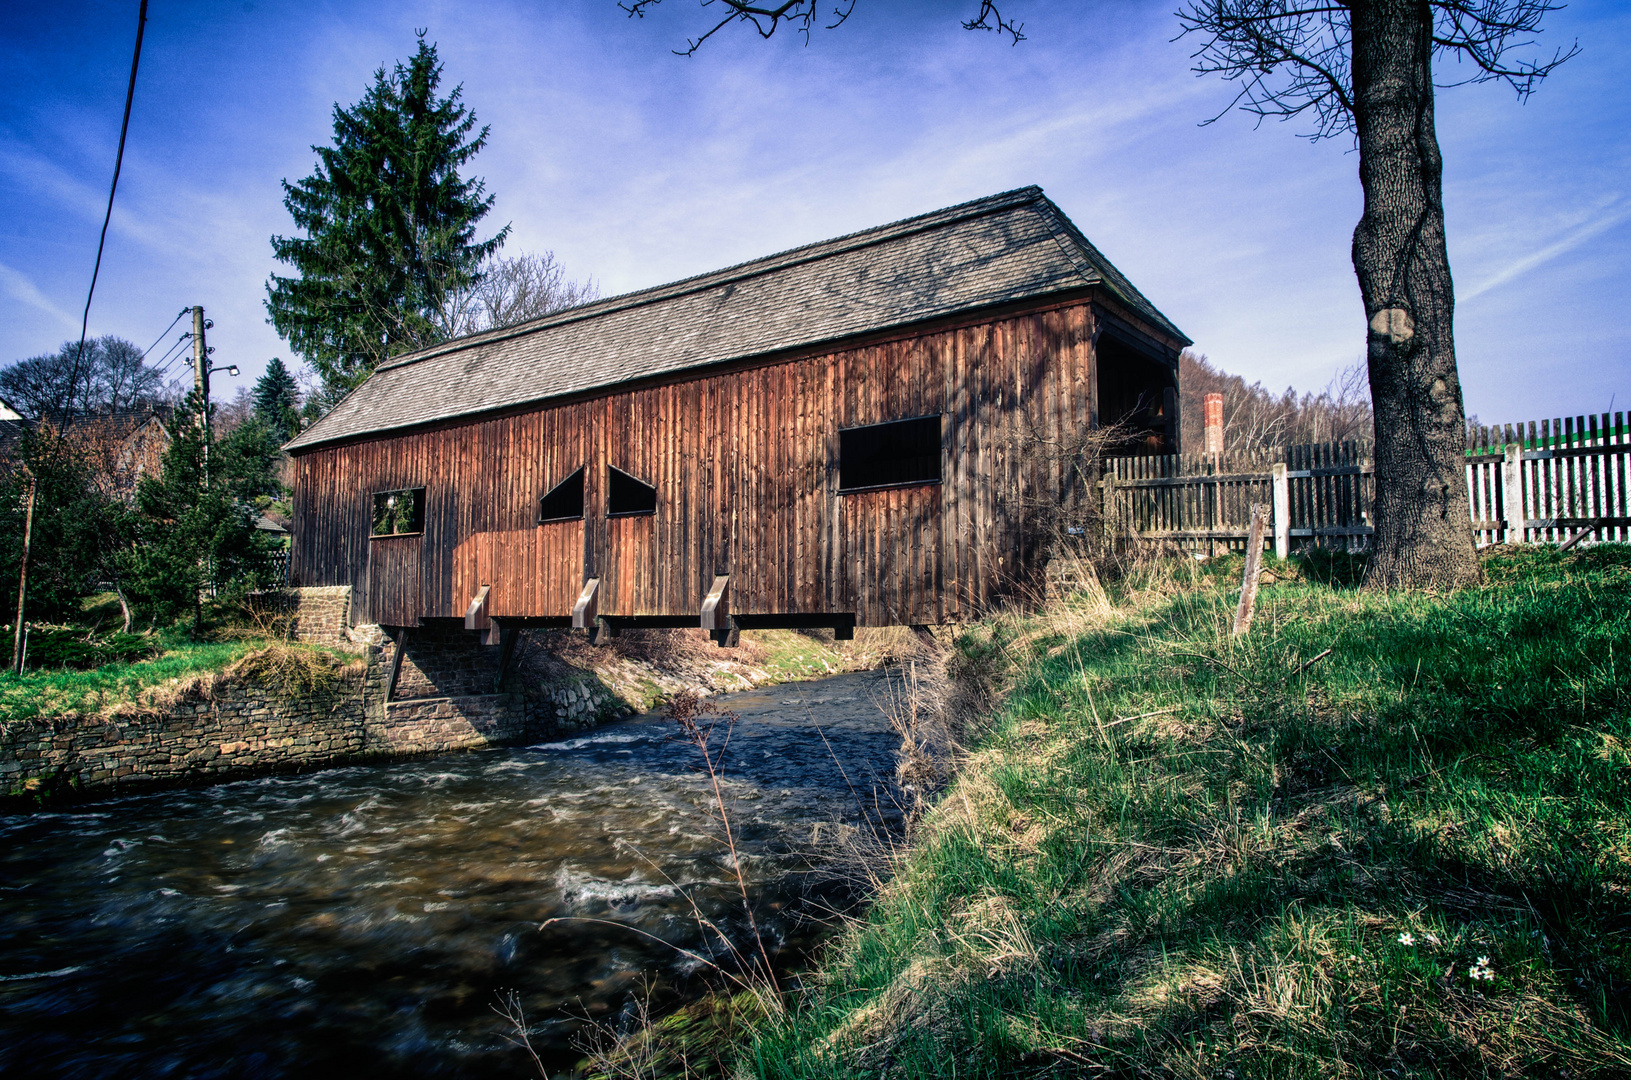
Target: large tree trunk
{"points": [[1423, 527]]}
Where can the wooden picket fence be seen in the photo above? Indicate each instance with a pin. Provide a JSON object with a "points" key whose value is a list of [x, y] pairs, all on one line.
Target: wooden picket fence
{"points": [[1541, 482]]}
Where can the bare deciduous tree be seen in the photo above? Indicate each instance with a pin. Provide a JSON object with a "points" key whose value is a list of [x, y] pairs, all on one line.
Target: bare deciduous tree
{"points": [[1363, 67], [513, 290], [1257, 419], [108, 376]]}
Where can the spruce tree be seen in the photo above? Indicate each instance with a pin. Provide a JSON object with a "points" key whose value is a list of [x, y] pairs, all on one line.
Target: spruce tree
{"points": [[194, 529], [390, 228], [277, 401]]}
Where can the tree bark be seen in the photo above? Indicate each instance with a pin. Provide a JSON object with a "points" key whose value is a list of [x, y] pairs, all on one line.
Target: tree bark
{"points": [[1423, 527]]}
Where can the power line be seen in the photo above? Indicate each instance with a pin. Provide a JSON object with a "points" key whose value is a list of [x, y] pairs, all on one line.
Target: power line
{"points": [[118, 162], [166, 330], [170, 354]]}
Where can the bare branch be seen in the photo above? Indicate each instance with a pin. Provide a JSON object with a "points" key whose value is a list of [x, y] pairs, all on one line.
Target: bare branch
{"points": [[1289, 59], [1292, 59], [764, 19], [804, 16], [1484, 31], [991, 19]]}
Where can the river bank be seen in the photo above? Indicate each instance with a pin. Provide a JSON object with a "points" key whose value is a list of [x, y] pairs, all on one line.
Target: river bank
{"points": [[1381, 834], [368, 918], [290, 707]]}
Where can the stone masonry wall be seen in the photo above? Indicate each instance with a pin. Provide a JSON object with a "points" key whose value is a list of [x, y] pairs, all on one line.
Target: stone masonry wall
{"points": [[213, 729], [322, 615], [225, 727]]}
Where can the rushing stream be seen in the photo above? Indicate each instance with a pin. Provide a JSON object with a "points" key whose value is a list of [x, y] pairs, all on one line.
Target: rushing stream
{"points": [[367, 919]]}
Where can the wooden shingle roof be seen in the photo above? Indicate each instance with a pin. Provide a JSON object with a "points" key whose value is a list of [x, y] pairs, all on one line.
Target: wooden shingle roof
{"points": [[1014, 246]]}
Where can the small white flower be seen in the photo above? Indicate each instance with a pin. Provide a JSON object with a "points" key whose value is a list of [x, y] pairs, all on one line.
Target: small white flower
{"points": [[1483, 961], [1407, 938], [1432, 938]]}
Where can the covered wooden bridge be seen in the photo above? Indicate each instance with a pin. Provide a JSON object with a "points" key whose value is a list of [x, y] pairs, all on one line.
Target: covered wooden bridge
{"points": [[832, 436]]}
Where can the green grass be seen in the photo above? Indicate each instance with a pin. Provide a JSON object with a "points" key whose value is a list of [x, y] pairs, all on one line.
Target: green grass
{"points": [[55, 692], [1176, 854], [791, 656]]}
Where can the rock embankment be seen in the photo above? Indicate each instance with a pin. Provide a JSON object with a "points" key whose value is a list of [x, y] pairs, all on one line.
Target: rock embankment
{"points": [[254, 718]]}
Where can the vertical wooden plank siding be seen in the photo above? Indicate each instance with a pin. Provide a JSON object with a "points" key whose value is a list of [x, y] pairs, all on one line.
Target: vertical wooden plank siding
{"points": [[745, 466]]}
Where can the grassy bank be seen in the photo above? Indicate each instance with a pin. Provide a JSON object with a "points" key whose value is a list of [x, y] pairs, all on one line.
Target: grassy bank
{"points": [[59, 691], [1177, 854]]}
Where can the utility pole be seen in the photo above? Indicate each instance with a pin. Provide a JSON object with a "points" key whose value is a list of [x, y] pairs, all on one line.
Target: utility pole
{"points": [[201, 387], [201, 362], [22, 579], [201, 381]]}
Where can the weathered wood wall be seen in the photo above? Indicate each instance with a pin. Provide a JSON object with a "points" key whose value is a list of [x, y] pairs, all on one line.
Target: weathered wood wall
{"points": [[745, 465]]}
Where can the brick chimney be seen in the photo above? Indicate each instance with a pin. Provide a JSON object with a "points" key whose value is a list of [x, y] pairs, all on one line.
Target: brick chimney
{"points": [[1213, 405]]}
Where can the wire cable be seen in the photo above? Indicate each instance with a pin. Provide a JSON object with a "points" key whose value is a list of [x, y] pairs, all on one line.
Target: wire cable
{"points": [[166, 330], [118, 163], [170, 354]]}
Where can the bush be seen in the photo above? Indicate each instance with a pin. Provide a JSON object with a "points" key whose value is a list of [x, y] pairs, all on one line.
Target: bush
{"points": [[66, 647]]}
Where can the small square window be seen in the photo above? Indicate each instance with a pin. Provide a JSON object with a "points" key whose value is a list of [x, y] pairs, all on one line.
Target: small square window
{"points": [[895, 454], [399, 512], [564, 501]]}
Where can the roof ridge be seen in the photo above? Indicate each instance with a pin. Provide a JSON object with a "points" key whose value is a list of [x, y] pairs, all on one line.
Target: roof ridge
{"points": [[741, 271], [1079, 249]]}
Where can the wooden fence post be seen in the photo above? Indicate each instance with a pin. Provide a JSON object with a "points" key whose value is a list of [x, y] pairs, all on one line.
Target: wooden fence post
{"points": [[1254, 568], [1282, 510], [1512, 493]]}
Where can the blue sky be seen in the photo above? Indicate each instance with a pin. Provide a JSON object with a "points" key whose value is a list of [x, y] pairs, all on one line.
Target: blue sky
{"points": [[637, 167]]}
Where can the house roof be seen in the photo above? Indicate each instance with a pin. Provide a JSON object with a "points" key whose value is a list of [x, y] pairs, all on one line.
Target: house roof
{"points": [[1014, 246]]}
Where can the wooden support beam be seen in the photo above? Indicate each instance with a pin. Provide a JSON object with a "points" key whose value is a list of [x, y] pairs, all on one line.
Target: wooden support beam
{"points": [[494, 634], [396, 663], [585, 611], [926, 636], [1579, 536], [476, 616], [728, 636], [602, 632], [506, 654]]}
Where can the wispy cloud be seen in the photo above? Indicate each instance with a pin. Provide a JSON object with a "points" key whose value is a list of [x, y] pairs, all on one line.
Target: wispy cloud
{"points": [[20, 287], [1606, 219]]}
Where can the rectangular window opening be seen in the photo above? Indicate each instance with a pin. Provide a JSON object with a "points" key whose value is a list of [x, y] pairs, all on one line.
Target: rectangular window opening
{"points": [[564, 501], [895, 454], [399, 512], [625, 495]]}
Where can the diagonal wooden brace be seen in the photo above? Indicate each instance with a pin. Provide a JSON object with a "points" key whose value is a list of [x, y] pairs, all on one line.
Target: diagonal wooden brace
{"points": [[716, 613], [476, 616], [587, 608]]}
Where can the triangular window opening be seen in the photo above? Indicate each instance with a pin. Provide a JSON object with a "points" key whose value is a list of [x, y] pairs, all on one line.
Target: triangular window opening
{"points": [[626, 495], [564, 501]]}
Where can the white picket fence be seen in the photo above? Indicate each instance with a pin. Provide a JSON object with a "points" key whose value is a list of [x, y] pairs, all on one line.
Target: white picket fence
{"points": [[1547, 481]]}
